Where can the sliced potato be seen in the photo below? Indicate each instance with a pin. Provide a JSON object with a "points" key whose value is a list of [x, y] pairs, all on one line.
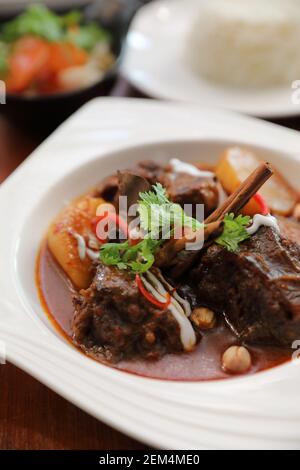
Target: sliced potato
{"points": [[75, 218], [236, 165]]}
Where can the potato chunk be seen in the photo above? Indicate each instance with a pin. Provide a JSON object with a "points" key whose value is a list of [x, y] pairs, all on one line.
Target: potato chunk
{"points": [[74, 219], [236, 165]]}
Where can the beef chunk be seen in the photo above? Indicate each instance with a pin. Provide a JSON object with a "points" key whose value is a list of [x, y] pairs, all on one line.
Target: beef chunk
{"points": [[258, 288], [151, 171], [182, 188], [108, 188], [113, 320]]}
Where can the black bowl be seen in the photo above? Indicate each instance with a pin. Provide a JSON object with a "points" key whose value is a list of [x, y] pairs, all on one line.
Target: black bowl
{"points": [[42, 114]]}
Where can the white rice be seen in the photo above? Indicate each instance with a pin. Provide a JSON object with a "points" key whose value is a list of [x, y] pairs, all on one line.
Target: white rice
{"points": [[247, 43]]}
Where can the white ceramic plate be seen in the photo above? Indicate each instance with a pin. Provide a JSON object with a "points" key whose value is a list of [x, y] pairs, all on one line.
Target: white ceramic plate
{"points": [[8, 7], [260, 411], [154, 61]]}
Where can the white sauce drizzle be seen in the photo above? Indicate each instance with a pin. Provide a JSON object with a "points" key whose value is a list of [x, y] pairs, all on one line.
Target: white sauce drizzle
{"points": [[93, 242], [81, 246], [83, 251], [184, 303], [263, 220], [93, 255], [179, 166], [187, 333]]}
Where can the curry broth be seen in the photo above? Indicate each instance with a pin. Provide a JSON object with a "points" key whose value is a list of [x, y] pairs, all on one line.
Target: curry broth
{"points": [[204, 363]]}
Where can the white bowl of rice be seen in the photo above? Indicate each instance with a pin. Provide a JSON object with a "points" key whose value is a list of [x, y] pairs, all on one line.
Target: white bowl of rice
{"points": [[246, 43]]}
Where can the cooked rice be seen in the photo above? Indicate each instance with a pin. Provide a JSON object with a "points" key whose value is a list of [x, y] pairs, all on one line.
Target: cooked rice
{"points": [[247, 43]]}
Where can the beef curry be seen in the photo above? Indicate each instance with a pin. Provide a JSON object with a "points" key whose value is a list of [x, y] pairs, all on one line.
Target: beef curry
{"points": [[220, 298]]}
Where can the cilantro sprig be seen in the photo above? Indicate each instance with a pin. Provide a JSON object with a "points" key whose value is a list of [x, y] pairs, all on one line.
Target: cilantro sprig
{"points": [[158, 217], [234, 232], [138, 258], [158, 213]]}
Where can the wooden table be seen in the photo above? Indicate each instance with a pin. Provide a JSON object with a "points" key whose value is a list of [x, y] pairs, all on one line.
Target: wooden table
{"points": [[32, 416]]}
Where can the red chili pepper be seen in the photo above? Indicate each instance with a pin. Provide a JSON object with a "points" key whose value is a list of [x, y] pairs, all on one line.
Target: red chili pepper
{"points": [[134, 241], [149, 297], [110, 217], [264, 209]]}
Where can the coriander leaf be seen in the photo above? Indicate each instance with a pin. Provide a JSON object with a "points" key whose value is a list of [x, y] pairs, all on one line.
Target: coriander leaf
{"points": [[111, 254], [145, 258], [158, 217], [158, 196], [179, 217], [234, 232], [138, 258], [121, 266], [145, 216], [158, 214], [154, 210]]}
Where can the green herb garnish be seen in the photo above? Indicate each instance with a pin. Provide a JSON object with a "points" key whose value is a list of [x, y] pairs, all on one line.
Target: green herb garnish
{"points": [[138, 258], [158, 214], [234, 232], [158, 218]]}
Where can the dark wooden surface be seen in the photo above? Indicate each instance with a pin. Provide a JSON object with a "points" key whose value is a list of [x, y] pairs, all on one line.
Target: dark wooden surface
{"points": [[32, 416]]}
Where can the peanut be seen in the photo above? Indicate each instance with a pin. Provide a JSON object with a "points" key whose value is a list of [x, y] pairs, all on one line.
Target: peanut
{"points": [[203, 318], [236, 360]]}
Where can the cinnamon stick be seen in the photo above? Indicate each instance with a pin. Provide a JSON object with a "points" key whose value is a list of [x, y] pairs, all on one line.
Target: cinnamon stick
{"points": [[243, 194], [172, 247]]}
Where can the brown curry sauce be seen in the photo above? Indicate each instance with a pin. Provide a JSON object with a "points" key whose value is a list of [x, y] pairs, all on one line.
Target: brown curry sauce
{"points": [[204, 363]]}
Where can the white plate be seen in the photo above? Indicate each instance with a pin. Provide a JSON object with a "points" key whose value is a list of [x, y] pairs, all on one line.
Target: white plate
{"points": [[260, 411], [9, 7], [154, 61]]}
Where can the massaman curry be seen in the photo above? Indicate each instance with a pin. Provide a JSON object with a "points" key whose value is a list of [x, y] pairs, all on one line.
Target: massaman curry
{"points": [[179, 271]]}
